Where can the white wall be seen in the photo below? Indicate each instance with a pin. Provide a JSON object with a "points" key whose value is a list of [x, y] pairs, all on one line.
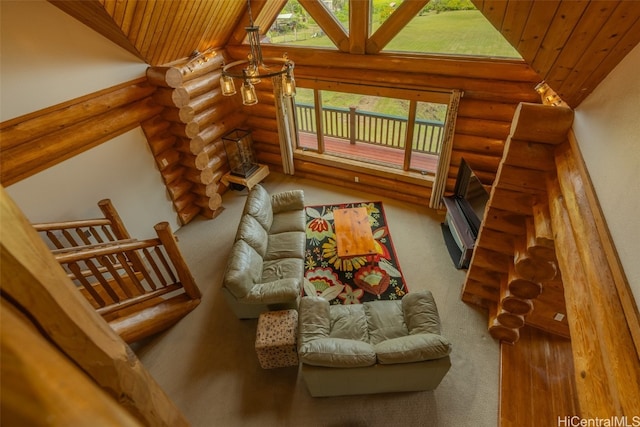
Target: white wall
{"points": [[48, 58], [607, 127]]}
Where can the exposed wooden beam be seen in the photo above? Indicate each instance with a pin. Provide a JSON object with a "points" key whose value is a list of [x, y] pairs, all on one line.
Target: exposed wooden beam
{"points": [[359, 26], [33, 279], [57, 390]]}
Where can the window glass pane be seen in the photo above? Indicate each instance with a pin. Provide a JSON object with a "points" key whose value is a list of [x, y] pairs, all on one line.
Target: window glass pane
{"points": [[294, 26], [428, 132], [306, 119], [380, 11], [366, 128], [451, 27]]}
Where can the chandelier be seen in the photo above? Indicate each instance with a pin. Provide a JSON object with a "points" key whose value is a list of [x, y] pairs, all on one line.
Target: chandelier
{"points": [[253, 69]]}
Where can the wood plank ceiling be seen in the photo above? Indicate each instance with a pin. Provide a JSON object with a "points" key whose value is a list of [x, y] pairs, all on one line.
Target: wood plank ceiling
{"points": [[572, 44]]}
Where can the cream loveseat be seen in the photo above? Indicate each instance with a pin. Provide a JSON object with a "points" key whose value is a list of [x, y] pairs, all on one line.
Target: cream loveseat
{"points": [[266, 266], [374, 347]]}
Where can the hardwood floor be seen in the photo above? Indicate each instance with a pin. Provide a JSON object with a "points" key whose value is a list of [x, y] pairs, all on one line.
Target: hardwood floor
{"points": [[537, 385], [386, 156]]}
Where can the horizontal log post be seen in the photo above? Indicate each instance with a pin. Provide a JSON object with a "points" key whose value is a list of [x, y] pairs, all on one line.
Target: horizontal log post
{"points": [[206, 190], [154, 126], [522, 288], [161, 143], [167, 158], [176, 75], [202, 84], [41, 153], [172, 173], [206, 100], [217, 130], [529, 155], [541, 123], [212, 150], [179, 115], [178, 97], [189, 146], [529, 267], [204, 176], [213, 114], [179, 187], [185, 130], [499, 331], [540, 248], [542, 227], [188, 213], [29, 128], [213, 203]]}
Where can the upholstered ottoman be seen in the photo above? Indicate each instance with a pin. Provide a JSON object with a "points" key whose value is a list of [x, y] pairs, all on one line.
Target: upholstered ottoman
{"points": [[276, 339]]}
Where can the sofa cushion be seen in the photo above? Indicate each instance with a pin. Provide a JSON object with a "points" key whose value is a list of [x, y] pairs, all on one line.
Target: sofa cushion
{"points": [[337, 353], [288, 221], [258, 205], [385, 320], [253, 233], [349, 322], [292, 200], [285, 245], [244, 269], [314, 319], [285, 268], [421, 313], [412, 348], [274, 292]]}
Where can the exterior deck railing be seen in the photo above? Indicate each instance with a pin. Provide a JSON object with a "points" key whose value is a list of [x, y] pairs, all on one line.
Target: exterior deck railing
{"points": [[371, 128]]}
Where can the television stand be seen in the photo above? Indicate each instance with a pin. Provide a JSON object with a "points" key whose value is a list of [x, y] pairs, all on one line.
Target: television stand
{"points": [[457, 234]]}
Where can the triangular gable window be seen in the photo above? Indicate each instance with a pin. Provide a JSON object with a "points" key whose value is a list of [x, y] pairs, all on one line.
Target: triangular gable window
{"points": [[454, 32], [295, 26]]}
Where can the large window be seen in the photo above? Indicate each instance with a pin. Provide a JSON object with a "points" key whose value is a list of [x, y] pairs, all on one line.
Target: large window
{"points": [[395, 132]]}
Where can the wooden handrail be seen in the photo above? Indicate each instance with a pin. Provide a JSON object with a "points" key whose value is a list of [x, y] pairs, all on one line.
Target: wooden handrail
{"points": [[49, 226], [82, 253]]}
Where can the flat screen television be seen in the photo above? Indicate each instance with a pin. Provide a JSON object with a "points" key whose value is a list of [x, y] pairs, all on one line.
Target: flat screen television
{"points": [[470, 196]]}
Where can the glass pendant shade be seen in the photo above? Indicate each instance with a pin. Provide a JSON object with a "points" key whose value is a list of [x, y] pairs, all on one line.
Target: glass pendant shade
{"points": [[252, 73], [227, 85], [288, 85], [248, 93]]}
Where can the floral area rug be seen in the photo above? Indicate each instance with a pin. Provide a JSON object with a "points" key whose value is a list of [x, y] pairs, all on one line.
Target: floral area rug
{"points": [[356, 279]]}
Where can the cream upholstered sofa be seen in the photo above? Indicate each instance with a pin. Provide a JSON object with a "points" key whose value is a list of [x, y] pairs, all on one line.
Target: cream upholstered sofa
{"points": [[374, 347], [266, 266]]}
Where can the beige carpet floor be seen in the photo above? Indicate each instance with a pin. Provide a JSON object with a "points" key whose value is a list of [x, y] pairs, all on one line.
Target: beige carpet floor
{"points": [[208, 367]]}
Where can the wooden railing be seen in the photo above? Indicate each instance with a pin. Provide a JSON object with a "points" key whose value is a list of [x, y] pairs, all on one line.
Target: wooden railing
{"points": [[372, 128], [140, 287]]}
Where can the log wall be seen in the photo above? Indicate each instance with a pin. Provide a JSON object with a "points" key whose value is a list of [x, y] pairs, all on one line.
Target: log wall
{"points": [[491, 94], [186, 138]]}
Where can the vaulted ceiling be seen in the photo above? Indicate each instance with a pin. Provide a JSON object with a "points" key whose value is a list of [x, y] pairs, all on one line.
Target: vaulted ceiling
{"points": [[572, 44]]}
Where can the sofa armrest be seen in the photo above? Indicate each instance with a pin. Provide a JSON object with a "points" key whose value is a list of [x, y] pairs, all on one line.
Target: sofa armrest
{"points": [[421, 313], [412, 348], [314, 319], [278, 291], [287, 201]]}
